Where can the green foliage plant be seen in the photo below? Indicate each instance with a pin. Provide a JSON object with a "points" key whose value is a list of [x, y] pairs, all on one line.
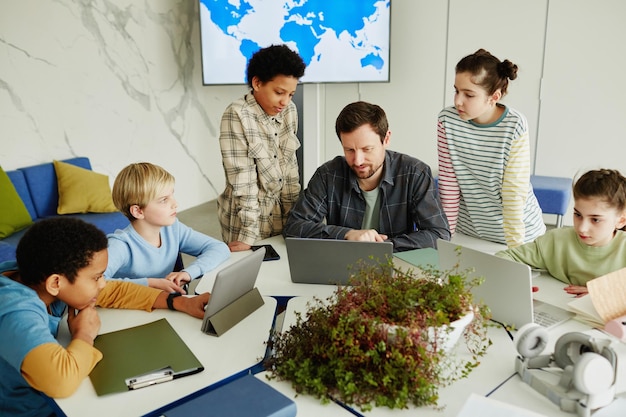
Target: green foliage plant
{"points": [[342, 349]]}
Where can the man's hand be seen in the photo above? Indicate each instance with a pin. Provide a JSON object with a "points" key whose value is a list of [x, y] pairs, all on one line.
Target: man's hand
{"points": [[577, 290], [83, 324], [194, 306], [237, 246], [370, 235], [165, 285]]}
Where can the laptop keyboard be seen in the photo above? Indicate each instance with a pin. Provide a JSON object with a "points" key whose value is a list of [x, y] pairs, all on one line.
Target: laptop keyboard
{"points": [[547, 315], [545, 319]]}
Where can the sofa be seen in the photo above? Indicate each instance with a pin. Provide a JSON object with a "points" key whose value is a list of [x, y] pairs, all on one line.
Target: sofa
{"points": [[38, 189]]}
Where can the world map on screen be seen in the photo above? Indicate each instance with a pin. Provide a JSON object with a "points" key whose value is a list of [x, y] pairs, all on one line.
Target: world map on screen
{"points": [[339, 40]]}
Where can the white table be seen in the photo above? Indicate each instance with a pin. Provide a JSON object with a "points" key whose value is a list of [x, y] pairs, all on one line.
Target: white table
{"points": [[274, 278], [240, 348]]}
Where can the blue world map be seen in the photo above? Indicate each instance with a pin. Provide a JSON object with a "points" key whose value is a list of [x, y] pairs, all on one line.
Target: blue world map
{"points": [[339, 41]]}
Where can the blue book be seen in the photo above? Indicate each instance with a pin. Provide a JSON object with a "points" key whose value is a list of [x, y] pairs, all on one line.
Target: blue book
{"points": [[244, 397]]}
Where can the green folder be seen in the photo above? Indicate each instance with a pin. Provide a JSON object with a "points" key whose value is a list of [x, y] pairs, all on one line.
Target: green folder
{"points": [[420, 257], [141, 356]]}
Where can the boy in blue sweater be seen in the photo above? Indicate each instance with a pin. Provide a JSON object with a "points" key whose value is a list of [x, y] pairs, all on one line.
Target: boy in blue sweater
{"points": [[146, 251]]}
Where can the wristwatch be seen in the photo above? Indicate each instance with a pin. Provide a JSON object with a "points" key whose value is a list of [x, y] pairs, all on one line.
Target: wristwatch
{"points": [[170, 300]]}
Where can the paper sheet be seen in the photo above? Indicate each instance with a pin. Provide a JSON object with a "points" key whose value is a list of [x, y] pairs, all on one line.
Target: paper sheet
{"points": [[608, 294], [585, 311], [477, 405]]}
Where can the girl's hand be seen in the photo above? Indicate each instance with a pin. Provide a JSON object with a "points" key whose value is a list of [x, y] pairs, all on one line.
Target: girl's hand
{"points": [[577, 290]]}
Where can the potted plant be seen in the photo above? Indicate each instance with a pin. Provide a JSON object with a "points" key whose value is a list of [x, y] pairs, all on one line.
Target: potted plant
{"points": [[384, 340]]}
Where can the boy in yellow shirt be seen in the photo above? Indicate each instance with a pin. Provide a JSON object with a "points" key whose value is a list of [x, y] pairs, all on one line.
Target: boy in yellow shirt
{"points": [[60, 264]]}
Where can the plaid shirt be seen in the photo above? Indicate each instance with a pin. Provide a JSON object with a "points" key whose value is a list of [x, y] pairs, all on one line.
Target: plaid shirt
{"points": [[261, 169], [410, 210]]}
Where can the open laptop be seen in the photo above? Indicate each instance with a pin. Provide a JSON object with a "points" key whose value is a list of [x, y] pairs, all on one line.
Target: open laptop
{"points": [[332, 261], [232, 282], [507, 286]]}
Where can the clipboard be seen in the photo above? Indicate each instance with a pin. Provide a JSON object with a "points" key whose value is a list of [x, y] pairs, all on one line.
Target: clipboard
{"points": [[141, 356]]}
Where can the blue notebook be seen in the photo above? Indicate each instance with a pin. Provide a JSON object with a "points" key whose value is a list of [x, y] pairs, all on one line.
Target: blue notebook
{"points": [[244, 397]]}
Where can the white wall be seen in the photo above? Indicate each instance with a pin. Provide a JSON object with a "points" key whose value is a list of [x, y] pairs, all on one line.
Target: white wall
{"points": [[120, 81], [117, 81]]}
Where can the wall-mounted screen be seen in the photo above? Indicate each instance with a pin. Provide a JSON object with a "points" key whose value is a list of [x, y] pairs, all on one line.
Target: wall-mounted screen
{"points": [[339, 40]]}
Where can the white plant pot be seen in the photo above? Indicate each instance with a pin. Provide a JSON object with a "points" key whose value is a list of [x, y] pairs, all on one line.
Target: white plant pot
{"points": [[447, 339], [450, 339]]}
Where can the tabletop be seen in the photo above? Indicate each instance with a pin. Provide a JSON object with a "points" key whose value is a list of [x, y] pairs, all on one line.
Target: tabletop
{"points": [[240, 348]]}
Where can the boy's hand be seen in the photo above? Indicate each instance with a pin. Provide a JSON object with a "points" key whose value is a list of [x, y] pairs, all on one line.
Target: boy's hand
{"points": [[237, 246], [84, 324], [179, 278], [194, 306], [165, 285], [577, 290]]}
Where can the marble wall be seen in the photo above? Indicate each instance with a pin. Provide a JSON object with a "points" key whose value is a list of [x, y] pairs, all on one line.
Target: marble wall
{"points": [[118, 81]]}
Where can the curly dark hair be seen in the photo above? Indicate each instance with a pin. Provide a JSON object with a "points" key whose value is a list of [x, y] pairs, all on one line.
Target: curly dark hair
{"points": [[62, 245], [274, 60]]}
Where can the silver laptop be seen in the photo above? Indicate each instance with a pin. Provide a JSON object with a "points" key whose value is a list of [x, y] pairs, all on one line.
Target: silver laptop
{"points": [[507, 288], [332, 261], [232, 282]]}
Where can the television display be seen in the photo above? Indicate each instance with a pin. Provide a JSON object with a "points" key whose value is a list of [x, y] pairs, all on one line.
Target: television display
{"points": [[339, 40]]}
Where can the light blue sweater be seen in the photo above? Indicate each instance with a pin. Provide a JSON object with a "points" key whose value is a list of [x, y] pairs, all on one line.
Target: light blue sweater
{"points": [[131, 257]]}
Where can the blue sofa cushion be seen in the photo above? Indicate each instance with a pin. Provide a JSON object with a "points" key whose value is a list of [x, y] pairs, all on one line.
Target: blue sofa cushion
{"points": [[107, 222], [7, 252], [42, 183]]}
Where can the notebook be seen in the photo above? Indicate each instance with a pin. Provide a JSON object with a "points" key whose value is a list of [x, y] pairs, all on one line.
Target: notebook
{"points": [[232, 282], [507, 287], [245, 396], [332, 261]]}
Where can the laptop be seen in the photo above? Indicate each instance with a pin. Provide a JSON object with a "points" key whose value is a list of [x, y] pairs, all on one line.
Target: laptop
{"points": [[506, 289], [232, 282], [332, 261]]}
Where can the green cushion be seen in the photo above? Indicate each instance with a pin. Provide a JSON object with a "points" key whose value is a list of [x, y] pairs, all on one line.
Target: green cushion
{"points": [[14, 213]]}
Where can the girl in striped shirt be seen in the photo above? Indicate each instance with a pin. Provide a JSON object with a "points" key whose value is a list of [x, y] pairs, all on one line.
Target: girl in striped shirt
{"points": [[484, 157]]}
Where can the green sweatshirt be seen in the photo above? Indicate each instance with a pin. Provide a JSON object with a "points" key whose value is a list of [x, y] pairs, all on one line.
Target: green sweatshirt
{"points": [[567, 259]]}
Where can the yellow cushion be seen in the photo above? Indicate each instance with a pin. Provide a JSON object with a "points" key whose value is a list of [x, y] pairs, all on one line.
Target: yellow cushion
{"points": [[82, 190]]}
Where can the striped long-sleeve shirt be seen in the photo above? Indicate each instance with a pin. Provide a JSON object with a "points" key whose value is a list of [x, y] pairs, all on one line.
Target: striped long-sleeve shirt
{"points": [[484, 178]]}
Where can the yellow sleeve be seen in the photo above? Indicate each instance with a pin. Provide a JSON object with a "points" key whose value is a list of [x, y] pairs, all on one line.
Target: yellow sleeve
{"points": [[515, 186], [56, 371], [127, 295]]}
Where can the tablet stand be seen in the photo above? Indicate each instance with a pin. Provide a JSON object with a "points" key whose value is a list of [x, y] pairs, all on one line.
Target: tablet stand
{"points": [[223, 320]]}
